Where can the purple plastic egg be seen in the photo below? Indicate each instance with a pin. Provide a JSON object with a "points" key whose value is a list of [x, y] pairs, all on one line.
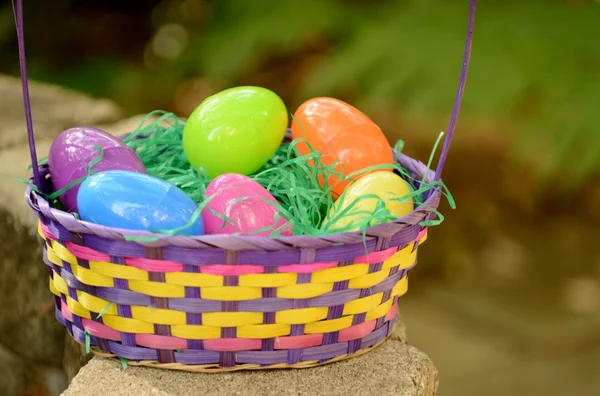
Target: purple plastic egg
{"points": [[74, 149]]}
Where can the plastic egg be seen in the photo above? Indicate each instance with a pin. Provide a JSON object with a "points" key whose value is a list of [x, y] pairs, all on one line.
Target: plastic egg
{"points": [[243, 206], [235, 131], [136, 201], [385, 185], [72, 151], [344, 135], [356, 148], [318, 120]]}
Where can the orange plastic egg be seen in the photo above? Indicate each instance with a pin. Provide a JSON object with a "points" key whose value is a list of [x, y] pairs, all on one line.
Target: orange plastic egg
{"points": [[343, 134], [318, 120], [355, 148]]}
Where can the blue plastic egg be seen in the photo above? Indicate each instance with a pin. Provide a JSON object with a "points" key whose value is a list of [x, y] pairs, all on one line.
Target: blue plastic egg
{"points": [[136, 201]]}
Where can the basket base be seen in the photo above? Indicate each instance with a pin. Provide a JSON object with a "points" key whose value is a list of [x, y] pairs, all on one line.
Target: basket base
{"points": [[214, 368]]}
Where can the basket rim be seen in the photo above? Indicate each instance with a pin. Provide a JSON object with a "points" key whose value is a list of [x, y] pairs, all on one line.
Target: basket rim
{"points": [[425, 211]]}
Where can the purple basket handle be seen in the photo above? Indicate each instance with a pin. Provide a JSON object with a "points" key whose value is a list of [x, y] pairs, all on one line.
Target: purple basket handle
{"points": [[18, 10], [459, 93]]}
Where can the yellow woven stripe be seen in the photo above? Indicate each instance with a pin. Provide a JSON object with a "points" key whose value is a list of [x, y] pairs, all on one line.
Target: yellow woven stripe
{"points": [[192, 332], [369, 280], [364, 304], [60, 284], [338, 274], [232, 319], [53, 257], [403, 259], [401, 287], [157, 289], [53, 289], [328, 326], [304, 290], [118, 271], [231, 293], [424, 238], [90, 277], [158, 315], [268, 280], [263, 331], [195, 280], [64, 253], [301, 315], [39, 229], [77, 309], [95, 304], [381, 310], [127, 325]]}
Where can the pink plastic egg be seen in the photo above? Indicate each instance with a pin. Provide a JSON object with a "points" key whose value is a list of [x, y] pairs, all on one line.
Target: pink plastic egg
{"points": [[74, 149], [243, 208]]}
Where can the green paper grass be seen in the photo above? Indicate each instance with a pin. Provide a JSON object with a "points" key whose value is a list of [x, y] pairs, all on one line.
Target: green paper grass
{"points": [[292, 179]]}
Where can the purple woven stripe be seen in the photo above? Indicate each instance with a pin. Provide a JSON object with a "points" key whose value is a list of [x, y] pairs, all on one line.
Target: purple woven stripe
{"points": [[83, 263], [131, 352], [195, 306], [269, 305], [191, 318], [45, 258], [387, 284], [197, 357], [60, 317], [164, 355], [217, 256], [330, 299], [405, 236], [268, 344], [58, 230], [336, 311], [74, 283], [124, 311], [359, 318], [263, 358], [123, 297], [79, 335]]}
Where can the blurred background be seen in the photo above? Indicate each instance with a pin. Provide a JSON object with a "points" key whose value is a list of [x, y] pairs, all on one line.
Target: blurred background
{"points": [[506, 296]]}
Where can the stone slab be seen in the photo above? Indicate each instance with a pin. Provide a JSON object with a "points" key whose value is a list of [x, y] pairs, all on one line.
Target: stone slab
{"points": [[53, 109], [393, 368]]}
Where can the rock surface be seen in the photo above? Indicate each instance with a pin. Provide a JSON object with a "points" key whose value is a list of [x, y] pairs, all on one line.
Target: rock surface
{"points": [[392, 369], [31, 341], [53, 109]]}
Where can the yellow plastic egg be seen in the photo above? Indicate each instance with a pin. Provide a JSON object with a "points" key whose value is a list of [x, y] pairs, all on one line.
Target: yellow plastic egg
{"points": [[349, 213]]}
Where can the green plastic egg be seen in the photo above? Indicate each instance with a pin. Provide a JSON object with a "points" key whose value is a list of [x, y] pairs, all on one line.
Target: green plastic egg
{"points": [[235, 131]]}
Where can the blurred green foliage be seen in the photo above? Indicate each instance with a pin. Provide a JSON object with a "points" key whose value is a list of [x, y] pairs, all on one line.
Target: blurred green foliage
{"points": [[535, 70]]}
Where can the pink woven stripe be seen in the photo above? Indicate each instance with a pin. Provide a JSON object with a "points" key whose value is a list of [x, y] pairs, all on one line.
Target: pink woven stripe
{"points": [[47, 233], [297, 342], [66, 312], [86, 253], [152, 265], [376, 257], [160, 342], [392, 312], [307, 268], [232, 344], [422, 234], [231, 270], [99, 330], [357, 331]]}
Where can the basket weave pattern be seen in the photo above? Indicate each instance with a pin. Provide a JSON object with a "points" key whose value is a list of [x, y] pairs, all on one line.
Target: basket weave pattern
{"points": [[222, 302]]}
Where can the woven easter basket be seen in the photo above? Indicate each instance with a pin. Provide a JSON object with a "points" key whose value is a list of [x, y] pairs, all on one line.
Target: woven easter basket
{"points": [[223, 302]]}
